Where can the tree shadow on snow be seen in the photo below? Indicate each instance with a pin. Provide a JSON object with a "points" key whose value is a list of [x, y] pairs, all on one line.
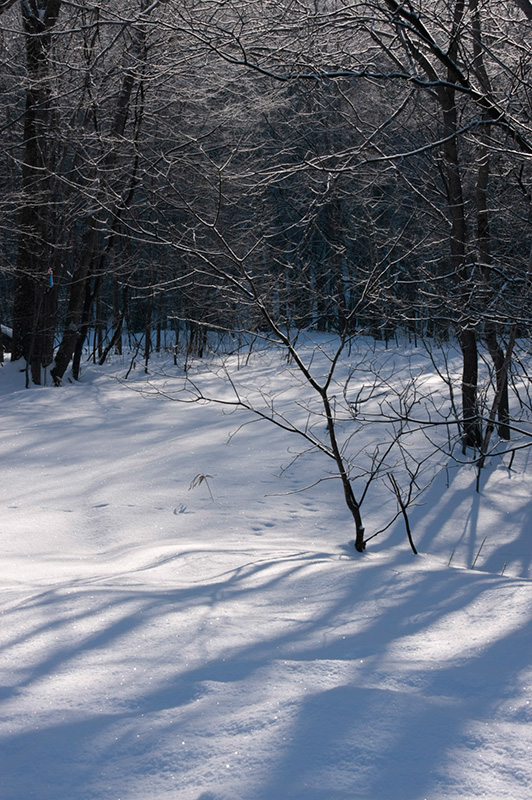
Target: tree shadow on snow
{"points": [[308, 677]]}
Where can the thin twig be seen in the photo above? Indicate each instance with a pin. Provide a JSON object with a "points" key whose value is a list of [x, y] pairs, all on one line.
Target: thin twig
{"points": [[478, 553]]}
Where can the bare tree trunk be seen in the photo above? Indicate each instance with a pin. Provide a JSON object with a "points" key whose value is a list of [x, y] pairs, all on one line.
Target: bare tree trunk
{"points": [[76, 302], [350, 499], [95, 246], [471, 428], [467, 336], [35, 297], [147, 332], [116, 339], [118, 315], [445, 92], [500, 363], [85, 325]]}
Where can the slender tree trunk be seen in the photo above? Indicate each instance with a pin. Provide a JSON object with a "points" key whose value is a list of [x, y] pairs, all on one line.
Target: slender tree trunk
{"points": [[116, 339], [467, 334], [350, 499], [85, 325], [95, 246], [471, 430], [118, 315], [446, 93], [500, 363], [147, 332], [76, 301]]}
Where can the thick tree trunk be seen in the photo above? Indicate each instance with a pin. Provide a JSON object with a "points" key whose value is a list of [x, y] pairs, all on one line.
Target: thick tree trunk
{"points": [[35, 296]]}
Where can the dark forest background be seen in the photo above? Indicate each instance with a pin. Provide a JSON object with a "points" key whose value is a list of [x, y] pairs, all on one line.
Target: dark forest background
{"points": [[171, 169]]}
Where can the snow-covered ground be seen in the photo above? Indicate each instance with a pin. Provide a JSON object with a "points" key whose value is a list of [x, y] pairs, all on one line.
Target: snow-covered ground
{"points": [[176, 622]]}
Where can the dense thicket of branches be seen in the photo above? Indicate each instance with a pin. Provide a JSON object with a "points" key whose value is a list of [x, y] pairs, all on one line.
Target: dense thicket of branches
{"points": [[180, 166]]}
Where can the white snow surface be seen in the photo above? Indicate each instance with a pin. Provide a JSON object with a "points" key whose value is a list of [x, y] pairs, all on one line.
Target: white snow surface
{"points": [[176, 622]]}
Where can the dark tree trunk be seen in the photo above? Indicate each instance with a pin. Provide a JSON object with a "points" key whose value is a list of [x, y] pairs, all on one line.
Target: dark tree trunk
{"points": [[471, 430], [90, 294], [500, 363], [147, 332], [95, 243], [76, 301], [35, 296], [465, 320], [500, 366], [467, 335], [118, 315], [350, 499]]}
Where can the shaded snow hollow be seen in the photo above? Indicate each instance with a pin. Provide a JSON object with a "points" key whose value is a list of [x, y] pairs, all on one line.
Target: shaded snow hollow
{"points": [[165, 636]]}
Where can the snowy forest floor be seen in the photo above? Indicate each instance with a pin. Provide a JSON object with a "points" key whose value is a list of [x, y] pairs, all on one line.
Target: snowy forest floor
{"points": [[179, 621]]}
